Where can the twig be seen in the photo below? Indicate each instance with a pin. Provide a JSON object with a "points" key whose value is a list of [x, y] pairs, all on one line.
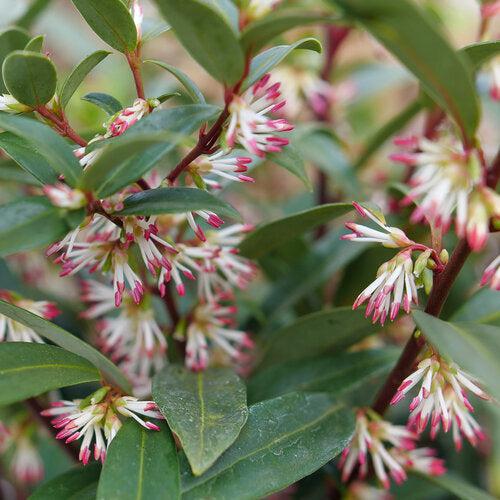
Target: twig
{"points": [[133, 59], [62, 125]]}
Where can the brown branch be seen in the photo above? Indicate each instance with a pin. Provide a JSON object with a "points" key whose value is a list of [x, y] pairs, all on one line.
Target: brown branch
{"points": [[133, 59], [62, 125]]}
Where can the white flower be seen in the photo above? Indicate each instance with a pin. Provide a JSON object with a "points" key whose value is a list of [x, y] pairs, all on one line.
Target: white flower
{"points": [[26, 463], [128, 117], [420, 459], [491, 275], [256, 9], [209, 217], [61, 195]]}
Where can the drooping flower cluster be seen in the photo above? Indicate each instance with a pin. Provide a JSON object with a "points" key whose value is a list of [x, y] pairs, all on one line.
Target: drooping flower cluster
{"points": [[97, 419], [372, 436], [442, 399]]}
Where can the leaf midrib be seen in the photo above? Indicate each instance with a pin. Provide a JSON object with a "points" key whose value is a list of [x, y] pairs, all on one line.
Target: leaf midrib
{"points": [[5, 371]]}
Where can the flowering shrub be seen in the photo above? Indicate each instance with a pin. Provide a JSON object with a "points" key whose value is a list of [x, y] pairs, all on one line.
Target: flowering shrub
{"points": [[171, 327]]}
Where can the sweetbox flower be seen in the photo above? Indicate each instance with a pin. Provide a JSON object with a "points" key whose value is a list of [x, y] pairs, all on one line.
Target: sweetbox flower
{"points": [[61, 195], [491, 275], [97, 419], [10, 104], [127, 117], [249, 124], [423, 460], [26, 463]]}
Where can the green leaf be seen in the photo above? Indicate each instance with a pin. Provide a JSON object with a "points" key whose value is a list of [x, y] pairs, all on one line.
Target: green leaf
{"points": [[176, 200], [35, 44], [79, 483], [30, 369], [155, 30], [318, 333], [111, 21], [291, 160], [482, 307], [10, 171], [28, 157], [406, 31], [105, 101], [261, 32], [207, 36], [31, 14], [284, 440], [56, 151], [456, 486], [267, 60], [192, 89], [480, 53], [272, 234], [21, 220], [473, 346], [140, 464], [67, 341], [11, 39], [150, 139], [30, 77], [78, 74], [206, 410]]}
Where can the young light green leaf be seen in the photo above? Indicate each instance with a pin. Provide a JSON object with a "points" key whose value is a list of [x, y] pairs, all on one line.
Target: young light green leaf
{"points": [[193, 91], [28, 157], [473, 346], [207, 35], [30, 77], [76, 77], [67, 341], [11, 39], [206, 410], [318, 333], [175, 200], [35, 44], [30, 369], [480, 53], [291, 160], [79, 483], [105, 101], [111, 21], [284, 440], [140, 464], [404, 29], [55, 150], [272, 234], [267, 60]]}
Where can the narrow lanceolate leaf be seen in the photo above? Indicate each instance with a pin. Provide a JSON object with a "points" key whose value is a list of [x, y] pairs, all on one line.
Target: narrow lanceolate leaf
{"points": [[482, 307], [30, 77], [473, 346], [78, 74], [275, 233], [56, 151], [67, 341], [111, 21], [175, 200], [11, 39], [207, 35], [480, 53], [79, 483], [105, 101], [21, 222], [191, 88], [30, 369], [340, 374], [405, 30], [10, 171], [284, 440], [261, 32], [28, 157], [317, 333], [141, 464], [35, 44], [267, 60], [206, 410], [291, 160]]}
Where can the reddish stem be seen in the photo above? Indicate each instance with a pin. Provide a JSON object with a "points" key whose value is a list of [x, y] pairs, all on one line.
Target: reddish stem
{"points": [[133, 59], [62, 125]]}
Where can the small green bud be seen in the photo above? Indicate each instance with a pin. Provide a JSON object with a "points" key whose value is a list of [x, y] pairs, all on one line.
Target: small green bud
{"points": [[444, 256], [95, 397], [427, 278]]}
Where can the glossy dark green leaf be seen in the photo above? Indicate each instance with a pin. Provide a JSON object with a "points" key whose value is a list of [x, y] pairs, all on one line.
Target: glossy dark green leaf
{"points": [[111, 21], [35, 44], [291, 160], [207, 35], [140, 464], [30, 369], [79, 483], [473, 346], [105, 101], [192, 89], [340, 374], [30, 77], [10, 171], [482, 307], [267, 60], [176, 200], [261, 32], [56, 151], [413, 38], [76, 77], [28, 157], [11, 39], [67, 341], [318, 333], [480, 53], [284, 440], [272, 234], [36, 8], [206, 410]]}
